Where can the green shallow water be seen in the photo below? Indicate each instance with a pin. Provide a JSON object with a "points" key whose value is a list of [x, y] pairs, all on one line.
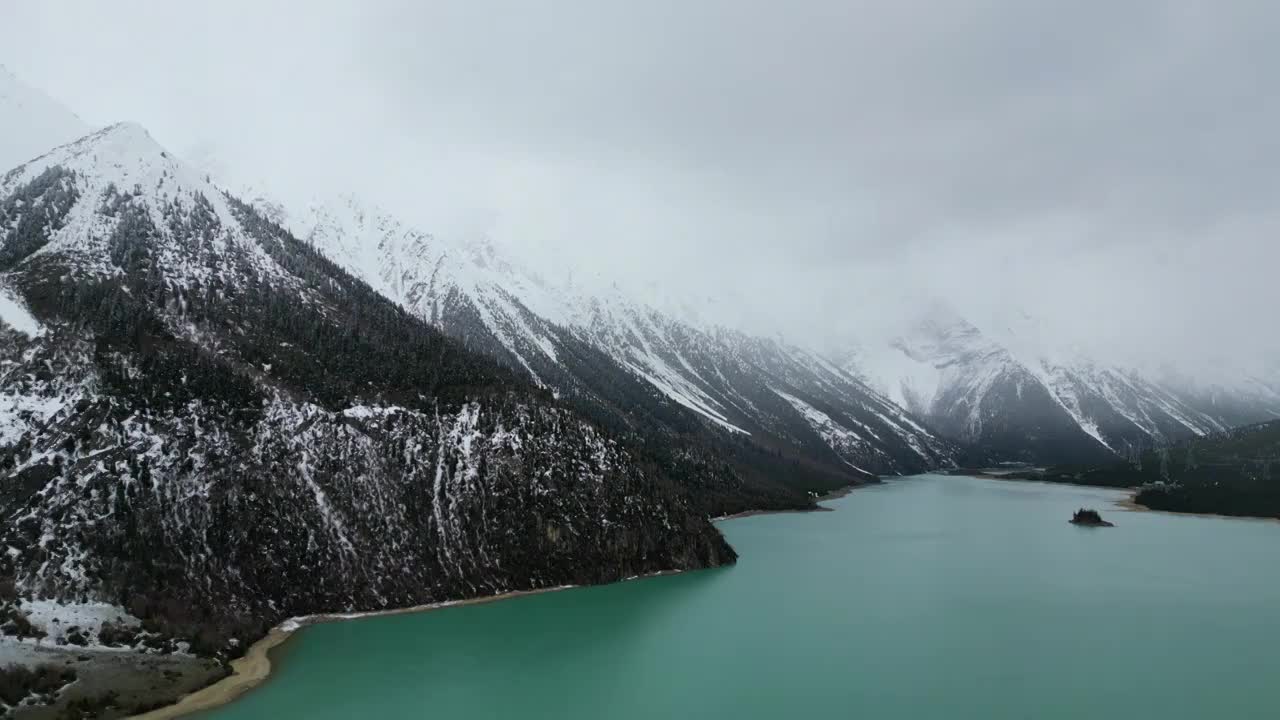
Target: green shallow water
{"points": [[929, 597]]}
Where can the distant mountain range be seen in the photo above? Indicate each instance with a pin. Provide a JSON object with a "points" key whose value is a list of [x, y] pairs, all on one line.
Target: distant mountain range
{"points": [[967, 397], [1010, 400]]}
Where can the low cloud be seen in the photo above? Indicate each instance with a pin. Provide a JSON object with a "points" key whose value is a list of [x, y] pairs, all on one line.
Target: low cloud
{"points": [[1110, 169]]}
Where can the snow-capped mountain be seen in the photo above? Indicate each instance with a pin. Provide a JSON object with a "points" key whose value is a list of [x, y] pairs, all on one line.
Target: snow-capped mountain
{"points": [[210, 427], [1240, 393], [626, 360], [1014, 400], [31, 122]]}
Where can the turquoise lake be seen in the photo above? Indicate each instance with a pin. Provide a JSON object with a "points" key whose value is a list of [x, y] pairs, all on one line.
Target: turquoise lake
{"points": [[926, 597]]}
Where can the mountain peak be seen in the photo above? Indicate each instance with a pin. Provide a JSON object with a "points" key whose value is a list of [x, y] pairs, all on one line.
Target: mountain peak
{"points": [[123, 164], [1005, 386], [124, 155], [128, 132]]}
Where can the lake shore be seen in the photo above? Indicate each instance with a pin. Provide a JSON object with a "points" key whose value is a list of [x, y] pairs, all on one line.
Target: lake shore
{"points": [[247, 672], [254, 667], [816, 507], [1130, 503]]}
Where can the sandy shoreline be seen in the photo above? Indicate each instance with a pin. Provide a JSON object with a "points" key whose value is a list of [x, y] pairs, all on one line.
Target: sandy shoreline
{"points": [[254, 667], [246, 672]]}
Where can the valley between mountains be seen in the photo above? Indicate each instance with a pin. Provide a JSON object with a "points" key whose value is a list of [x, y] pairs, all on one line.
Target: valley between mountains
{"points": [[217, 413]]}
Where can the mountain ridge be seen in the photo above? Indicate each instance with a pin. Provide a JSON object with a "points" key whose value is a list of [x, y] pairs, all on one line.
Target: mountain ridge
{"points": [[1018, 403], [736, 382], [210, 427]]}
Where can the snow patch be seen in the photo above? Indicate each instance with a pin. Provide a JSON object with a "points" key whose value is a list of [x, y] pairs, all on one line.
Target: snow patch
{"points": [[14, 314], [57, 619], [688, 399], [838, 437]]}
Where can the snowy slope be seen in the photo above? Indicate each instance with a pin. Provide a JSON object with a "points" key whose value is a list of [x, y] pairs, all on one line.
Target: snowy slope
{"points": [[1240, 390], [117, 167], [431, 277], [1011, 393], [31, 122], [571, 341], [205, 421]]}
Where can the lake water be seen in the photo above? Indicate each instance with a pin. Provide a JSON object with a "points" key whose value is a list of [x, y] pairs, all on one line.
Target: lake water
{"points": [[928, 597]]}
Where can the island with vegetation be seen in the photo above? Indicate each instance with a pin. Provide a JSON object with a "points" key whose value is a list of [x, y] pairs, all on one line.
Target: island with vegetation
{"points": [[1089, 518]]}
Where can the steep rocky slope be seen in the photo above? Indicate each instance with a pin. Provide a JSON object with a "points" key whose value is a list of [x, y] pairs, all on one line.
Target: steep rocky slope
{"points": [[789, 421], [207, 424]]}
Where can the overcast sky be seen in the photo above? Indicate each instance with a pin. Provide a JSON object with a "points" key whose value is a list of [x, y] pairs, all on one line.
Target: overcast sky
{"points": [[1113, 169]]}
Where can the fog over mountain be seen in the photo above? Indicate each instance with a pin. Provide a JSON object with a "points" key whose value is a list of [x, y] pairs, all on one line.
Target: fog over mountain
{"points": [[821, 169], [315, 310]]}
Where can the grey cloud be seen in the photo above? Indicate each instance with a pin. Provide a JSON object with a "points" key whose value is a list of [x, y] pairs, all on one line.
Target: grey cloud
{"points": [[796, 163]]}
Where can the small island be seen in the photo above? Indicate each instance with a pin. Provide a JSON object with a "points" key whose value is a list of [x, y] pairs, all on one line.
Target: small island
{"points": [[1088, 517]]}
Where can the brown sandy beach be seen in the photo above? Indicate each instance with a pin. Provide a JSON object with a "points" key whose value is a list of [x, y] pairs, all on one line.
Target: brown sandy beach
{"points": [[246, 672]]}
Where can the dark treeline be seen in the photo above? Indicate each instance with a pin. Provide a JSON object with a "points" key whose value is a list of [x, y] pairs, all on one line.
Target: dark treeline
{"points": [[1236, 472]]}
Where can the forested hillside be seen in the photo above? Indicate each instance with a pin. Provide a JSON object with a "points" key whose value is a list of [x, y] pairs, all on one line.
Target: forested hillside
{"points": [[1236, 472], [207, 425]]}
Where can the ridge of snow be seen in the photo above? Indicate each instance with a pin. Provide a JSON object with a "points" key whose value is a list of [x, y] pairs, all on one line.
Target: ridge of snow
{"points": [[419, 270], [391, 257], [837, 436], [715, 372], [944, 358], [124, 157]]}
